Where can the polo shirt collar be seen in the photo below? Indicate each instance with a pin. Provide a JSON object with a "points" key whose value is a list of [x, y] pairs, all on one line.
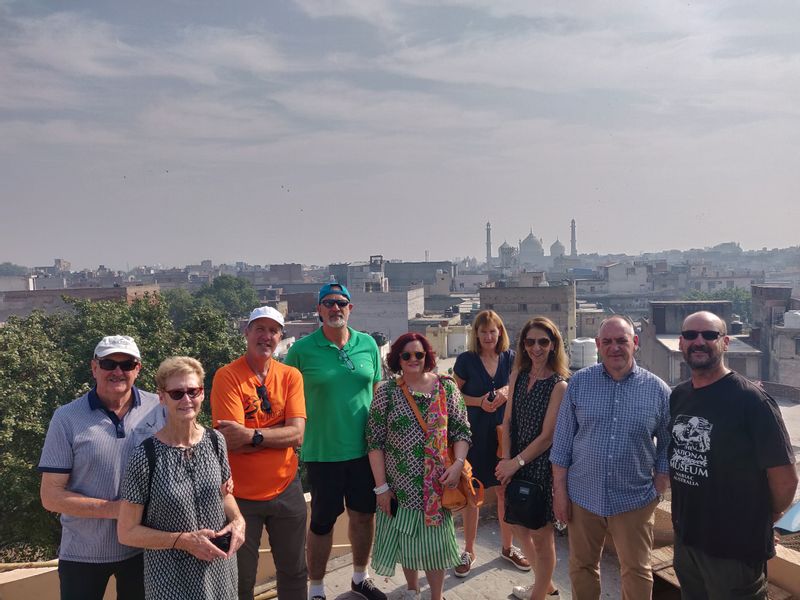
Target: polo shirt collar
{"points": [[95, 402], [630, 374], [325, 342]]}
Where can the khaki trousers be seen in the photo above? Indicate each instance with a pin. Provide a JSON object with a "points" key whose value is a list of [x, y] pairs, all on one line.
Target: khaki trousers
{"points": [[632, 533]]}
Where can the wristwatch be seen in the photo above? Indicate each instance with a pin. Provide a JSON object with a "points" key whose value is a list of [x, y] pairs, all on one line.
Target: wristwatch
{"points": [[520, 460], [257, 439]]}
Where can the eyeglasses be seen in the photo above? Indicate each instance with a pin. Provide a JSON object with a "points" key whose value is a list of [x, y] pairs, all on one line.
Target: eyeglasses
{"points": [[531, 342], [408, 355], [108, 364], [708, 335], [179, 394], [330, 303], [345, 358], [261, 390]]}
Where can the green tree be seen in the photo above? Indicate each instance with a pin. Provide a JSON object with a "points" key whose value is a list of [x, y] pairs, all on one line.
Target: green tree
{"points": [[45, 363], [235, 296], [35, 378], [740, 298], [8, 268], [213, 338], [180, 304]]}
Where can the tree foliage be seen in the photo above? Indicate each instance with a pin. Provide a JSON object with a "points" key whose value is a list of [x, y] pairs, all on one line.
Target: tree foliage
{"points": [[44, 363], [740, 298], [7, 268], [233, 295]]}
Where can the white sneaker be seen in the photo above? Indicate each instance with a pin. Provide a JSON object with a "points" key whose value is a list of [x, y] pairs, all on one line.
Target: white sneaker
{"points": [[524, 592], [410, 595]]}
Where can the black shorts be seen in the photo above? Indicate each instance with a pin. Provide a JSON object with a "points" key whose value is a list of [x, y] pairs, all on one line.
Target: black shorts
{"points": [[335, 485]]}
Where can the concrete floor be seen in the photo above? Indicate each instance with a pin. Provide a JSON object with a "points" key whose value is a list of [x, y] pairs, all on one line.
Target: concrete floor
{"points": [[491, 576]]}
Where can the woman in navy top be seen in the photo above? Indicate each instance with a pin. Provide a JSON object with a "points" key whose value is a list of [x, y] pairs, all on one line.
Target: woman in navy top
{"points": [[482, 374]]}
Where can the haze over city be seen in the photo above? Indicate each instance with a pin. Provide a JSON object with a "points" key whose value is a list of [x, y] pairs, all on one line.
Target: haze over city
{"points": [[316, 132]]}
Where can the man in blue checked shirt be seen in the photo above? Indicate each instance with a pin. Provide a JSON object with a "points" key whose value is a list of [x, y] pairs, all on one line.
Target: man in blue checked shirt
{"points": [[609, 459]]}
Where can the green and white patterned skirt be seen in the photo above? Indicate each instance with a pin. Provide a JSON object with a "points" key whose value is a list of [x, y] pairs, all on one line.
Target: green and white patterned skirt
{"points": [[405, 539]]}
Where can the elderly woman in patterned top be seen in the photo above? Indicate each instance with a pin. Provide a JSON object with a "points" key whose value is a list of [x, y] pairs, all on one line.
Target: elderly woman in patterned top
{"points": [[176, 497], [409, 465]]}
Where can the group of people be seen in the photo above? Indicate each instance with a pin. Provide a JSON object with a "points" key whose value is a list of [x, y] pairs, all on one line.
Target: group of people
{"points": [[128, 469]]}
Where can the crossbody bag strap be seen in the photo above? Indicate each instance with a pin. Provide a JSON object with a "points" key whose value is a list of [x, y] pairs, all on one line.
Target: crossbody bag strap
{"points": [[404, 386], [150, 453]]}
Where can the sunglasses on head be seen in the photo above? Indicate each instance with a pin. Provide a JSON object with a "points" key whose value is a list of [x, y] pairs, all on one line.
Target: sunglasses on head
{"points": [[109, 364], [531, 342], [179, 394], [408, 355], [330, 303], [708, 335], [261, 390]]}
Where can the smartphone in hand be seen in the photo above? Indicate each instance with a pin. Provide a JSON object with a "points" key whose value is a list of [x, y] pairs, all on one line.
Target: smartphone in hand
{"points": [[223, 542]]}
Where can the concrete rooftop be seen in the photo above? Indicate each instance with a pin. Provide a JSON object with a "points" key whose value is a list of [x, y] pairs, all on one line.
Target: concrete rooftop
{"points": [[491, 576]]}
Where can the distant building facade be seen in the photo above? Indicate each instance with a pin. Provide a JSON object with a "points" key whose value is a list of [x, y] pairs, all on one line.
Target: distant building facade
{"points": [[660, 334], [23, 303], [516, 305]]}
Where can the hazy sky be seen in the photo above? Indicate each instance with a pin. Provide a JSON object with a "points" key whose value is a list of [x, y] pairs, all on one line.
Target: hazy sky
{"points": [[326, 130]]}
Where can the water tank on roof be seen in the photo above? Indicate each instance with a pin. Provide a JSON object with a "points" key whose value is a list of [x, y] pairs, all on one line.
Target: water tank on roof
{"points": [[582, 353], [791, 319]]}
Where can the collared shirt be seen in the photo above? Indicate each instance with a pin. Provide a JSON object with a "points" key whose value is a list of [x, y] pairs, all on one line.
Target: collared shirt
{"points": [[338, 387], [90, 445], [605, 438]]}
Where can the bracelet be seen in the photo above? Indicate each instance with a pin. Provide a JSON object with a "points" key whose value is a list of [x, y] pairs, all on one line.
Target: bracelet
{"points": [[176, 540], [381, 489], [461, 460]]}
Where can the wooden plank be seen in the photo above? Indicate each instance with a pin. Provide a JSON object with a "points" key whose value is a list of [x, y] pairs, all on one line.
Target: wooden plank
{"points": [[776, 593], [668, 574], [661, 558]]}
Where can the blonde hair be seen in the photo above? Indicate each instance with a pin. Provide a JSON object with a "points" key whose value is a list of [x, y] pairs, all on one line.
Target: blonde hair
{"points": [[557, 357], [178, 365], [487, 318]]}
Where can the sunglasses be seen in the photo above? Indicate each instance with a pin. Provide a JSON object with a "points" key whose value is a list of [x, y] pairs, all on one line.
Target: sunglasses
{"points": [[708, 335], [531, 342], [179, 394], [108, 364], [261, 390], [329, 303], [408, 355], [345, 358]]}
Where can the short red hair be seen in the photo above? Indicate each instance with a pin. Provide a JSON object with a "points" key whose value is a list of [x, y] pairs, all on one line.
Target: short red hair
{"points": [[393, 359]]}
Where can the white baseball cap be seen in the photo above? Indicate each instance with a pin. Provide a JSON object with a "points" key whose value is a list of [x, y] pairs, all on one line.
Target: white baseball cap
{"points": [[112, 344], [266, 312]]}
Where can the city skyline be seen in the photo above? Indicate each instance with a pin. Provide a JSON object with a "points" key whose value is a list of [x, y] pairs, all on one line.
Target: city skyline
{"points": [[319, 132]]}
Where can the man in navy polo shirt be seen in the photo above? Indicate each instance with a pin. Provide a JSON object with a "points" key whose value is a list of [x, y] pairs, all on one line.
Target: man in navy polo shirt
{"points": [[83, 461]]}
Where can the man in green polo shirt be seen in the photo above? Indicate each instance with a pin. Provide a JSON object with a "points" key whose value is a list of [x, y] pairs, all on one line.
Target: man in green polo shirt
{"points": [[341, 368]]}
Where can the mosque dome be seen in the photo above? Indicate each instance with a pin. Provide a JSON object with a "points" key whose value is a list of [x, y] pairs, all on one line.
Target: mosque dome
{"points": [[557, 248], [531, 244]]}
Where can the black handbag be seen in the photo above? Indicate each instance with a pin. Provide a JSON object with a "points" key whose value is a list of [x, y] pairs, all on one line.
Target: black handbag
{"points": [[526, 504]]}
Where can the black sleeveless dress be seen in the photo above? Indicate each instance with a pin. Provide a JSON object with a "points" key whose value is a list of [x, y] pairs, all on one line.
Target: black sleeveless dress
{"points": [[528, 410]]}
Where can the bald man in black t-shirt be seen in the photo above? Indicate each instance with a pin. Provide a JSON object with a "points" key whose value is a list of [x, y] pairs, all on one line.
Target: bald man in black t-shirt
{"points": [[731, 471]]}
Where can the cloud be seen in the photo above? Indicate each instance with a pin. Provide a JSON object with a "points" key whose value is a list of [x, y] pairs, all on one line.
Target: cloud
{"points": [[380, 13]]}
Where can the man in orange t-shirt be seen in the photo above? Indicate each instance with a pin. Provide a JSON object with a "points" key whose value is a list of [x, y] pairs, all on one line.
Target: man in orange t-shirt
{"points": [[257, 403]]}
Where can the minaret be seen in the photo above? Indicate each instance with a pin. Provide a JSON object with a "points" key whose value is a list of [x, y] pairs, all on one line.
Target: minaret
{"points": [[488, 243], [573, 246]]}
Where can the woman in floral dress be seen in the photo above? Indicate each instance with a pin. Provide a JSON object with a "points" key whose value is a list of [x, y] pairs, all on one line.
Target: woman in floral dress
{"points": [[409, 465]]}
